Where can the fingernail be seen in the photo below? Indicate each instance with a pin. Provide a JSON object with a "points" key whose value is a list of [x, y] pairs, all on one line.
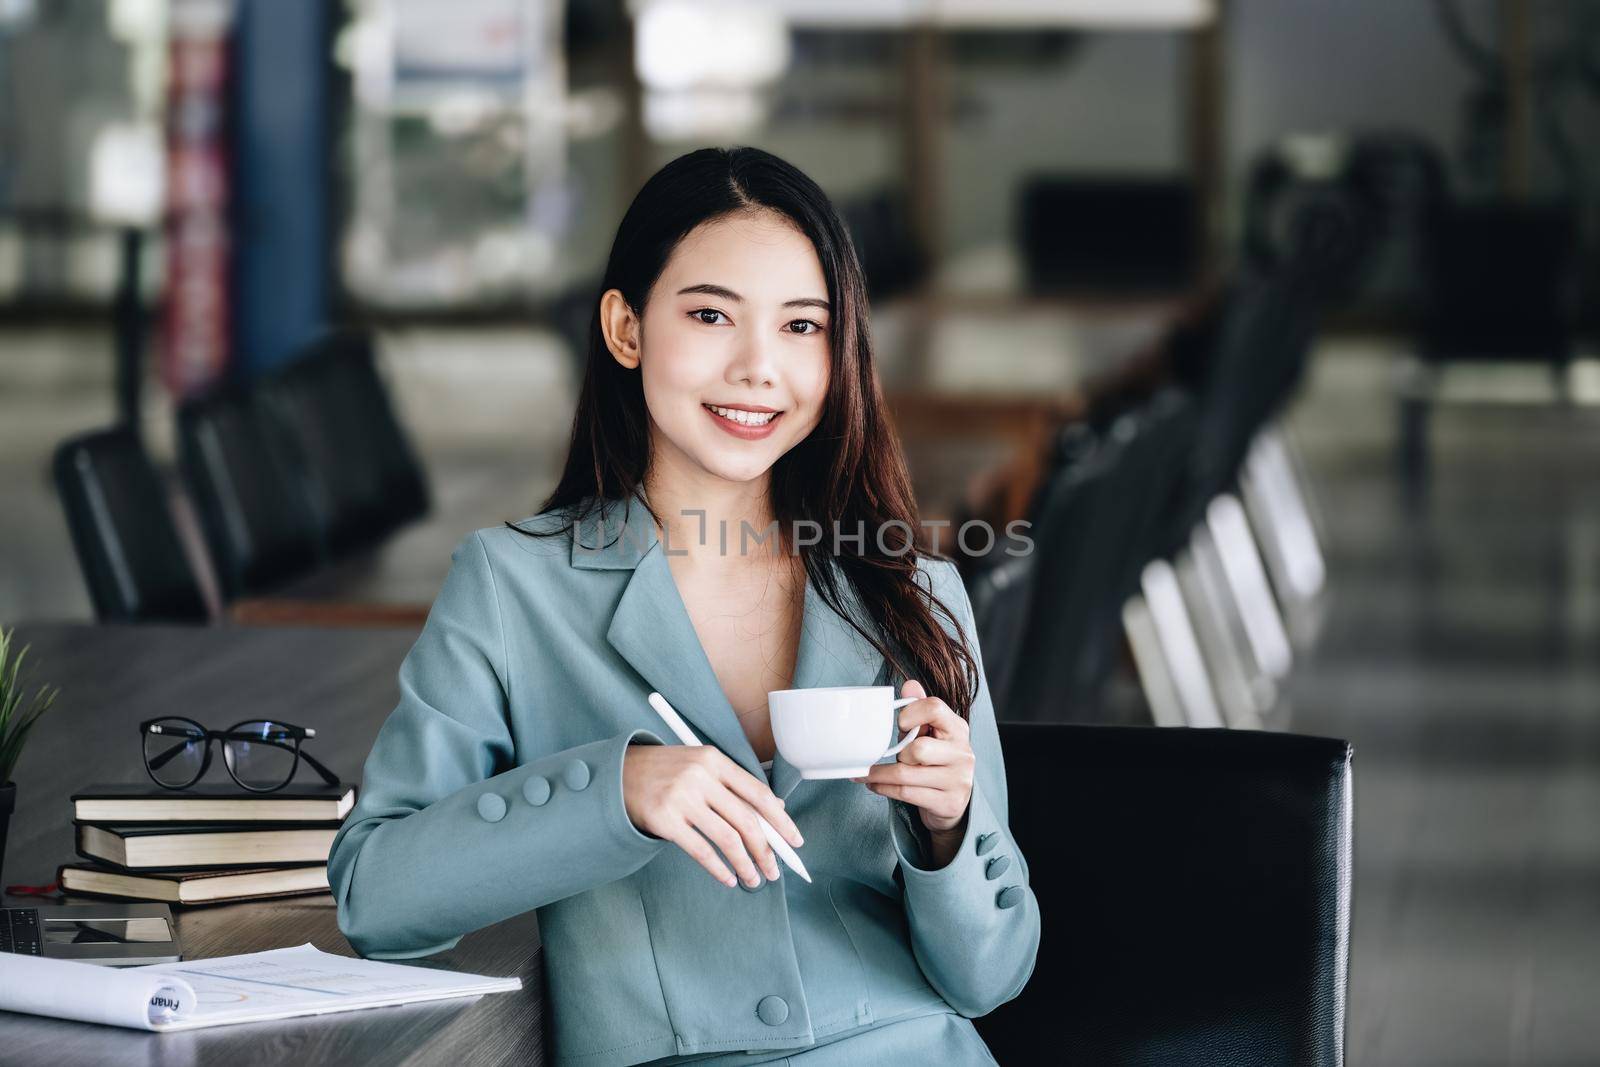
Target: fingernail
{"points": [[731, 883], [798, 839]]}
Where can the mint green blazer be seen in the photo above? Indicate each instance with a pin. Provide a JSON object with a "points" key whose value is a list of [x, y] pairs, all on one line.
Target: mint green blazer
{"points": [[503, 762]]}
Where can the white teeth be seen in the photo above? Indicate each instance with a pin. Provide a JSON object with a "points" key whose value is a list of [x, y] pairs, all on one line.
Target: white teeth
{"points": [[745, 418]]}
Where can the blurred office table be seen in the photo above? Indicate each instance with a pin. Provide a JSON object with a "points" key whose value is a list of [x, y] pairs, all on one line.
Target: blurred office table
{"points": [[394, 583], [342, 683]]}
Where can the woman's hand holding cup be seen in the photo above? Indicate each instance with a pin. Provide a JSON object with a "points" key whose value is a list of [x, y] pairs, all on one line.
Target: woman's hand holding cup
{"points": [[934, 773], [679, 792]]}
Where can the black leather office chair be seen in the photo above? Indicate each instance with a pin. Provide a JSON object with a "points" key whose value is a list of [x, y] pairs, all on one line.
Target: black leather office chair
{"points": [[127, 546], [1001, 586], [257, 525], [1194, 887], [1073, 550], [345, 446], [1055, 631], [1321, 227], [1155, 474], [1243, 361]]}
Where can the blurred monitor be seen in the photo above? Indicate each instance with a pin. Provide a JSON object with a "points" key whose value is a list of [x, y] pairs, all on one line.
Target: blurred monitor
{"points": [[1502, 282], [1108, 235]]}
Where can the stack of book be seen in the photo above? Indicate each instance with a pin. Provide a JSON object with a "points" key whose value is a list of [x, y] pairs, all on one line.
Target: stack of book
{"points": [[207, 844]]}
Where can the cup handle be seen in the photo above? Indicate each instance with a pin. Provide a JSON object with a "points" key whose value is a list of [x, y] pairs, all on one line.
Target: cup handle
{"points": [[911, 734]]}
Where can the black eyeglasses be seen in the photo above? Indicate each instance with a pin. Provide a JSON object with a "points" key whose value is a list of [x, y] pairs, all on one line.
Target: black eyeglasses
{"points": [[261, 755]]}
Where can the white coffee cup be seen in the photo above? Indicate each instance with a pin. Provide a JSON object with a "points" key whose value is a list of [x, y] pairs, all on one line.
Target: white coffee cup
{"points": [[838, 731]]}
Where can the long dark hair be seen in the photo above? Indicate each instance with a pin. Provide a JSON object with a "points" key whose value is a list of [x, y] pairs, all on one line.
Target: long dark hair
{"points": [[847, 475]]}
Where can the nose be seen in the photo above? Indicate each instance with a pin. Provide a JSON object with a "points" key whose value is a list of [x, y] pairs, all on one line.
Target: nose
{"points": [[754, 363]]}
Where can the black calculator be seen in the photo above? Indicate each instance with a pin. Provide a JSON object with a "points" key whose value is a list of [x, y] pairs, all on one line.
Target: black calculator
{"points": [[110, 934], [19, 931]]}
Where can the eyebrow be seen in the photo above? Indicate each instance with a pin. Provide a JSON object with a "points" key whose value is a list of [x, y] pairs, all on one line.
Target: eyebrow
{"points": [[728, 294]]}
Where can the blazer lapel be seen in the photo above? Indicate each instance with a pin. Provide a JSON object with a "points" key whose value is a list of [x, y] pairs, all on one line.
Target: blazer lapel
{"points": [[831, 653], [651, 629]]}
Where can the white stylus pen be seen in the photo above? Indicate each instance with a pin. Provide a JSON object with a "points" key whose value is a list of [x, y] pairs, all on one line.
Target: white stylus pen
{"points": [[681, 729]]}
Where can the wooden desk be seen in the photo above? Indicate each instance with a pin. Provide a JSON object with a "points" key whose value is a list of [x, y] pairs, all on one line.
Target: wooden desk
{"points": [[342, 682]]}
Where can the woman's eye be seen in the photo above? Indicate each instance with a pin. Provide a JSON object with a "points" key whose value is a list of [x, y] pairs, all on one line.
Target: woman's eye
{"points": [[815, 327], [702, 312]]}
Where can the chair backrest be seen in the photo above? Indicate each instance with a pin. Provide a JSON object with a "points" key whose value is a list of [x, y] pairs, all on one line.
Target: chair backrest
{"points": [[1194, 888], [1001, 596], [1000, 584], [1256, 356], [346, 449], [257, 524], [1075, 511], [122, 530], [1097, 526], [1154, 474]]}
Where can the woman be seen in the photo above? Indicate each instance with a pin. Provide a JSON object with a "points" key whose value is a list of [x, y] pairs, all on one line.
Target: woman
{"points": [[730, 387]]}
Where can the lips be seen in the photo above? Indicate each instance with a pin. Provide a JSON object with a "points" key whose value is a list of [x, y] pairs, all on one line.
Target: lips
{"points": [[742, 422]]}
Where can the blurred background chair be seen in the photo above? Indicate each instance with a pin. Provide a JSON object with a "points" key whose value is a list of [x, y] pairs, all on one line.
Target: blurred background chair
{"points": [[1501, 282], [257, 523], [1209, 872], [342, 444], [128, 548], [305, 467], [1051, 619], [892, 260]]}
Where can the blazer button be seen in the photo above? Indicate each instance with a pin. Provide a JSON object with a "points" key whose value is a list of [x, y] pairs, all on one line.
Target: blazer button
{"points": [[1009, 897], [536, 790], [491, 807], [576, 775], [986, 843], [773, 1010], [996, 867]]}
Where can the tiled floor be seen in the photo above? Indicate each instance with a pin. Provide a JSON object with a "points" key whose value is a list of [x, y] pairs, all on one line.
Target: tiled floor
{"points": [[1461, 655]]}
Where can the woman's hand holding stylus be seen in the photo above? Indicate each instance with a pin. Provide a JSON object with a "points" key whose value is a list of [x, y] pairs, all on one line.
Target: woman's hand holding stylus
{"points": [[679, 793]]}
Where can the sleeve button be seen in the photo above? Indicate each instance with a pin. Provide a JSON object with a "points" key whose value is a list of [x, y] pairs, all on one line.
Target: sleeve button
{"points": [[536, 790], [986, 843], [576, 775], [491, 807], [1009, 897], [997, 867], [773, 1010]]}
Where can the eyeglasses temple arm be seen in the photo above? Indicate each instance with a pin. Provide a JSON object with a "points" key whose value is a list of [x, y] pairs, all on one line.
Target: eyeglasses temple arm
{"points": [[316, 765], [158, 762]]}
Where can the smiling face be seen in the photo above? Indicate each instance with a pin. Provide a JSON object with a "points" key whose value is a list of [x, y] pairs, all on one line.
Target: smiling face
{"points": [[733, 350]]}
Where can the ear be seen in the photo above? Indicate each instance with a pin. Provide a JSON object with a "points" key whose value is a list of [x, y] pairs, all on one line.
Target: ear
{"points": [[620, 327]]}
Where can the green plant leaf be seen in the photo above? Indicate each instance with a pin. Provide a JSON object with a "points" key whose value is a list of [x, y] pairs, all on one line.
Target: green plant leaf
{"points": [[15, 722]]}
